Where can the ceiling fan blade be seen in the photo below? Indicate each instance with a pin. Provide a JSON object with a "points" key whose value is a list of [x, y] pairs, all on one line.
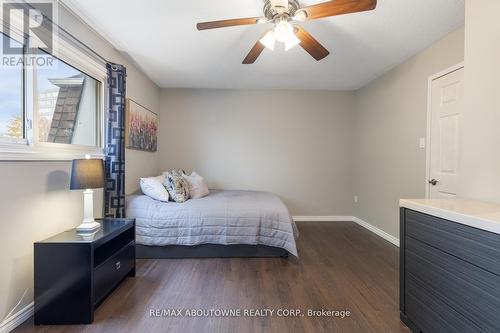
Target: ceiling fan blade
{"points": [[311, 45], [338, 7], [227, 23], [255, 52]]}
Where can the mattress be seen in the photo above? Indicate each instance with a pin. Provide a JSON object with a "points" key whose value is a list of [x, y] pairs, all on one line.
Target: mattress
{"points": [[222, 217]]}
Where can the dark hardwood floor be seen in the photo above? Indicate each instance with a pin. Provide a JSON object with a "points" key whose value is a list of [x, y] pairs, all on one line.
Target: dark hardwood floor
{"points": [[341, 267]]}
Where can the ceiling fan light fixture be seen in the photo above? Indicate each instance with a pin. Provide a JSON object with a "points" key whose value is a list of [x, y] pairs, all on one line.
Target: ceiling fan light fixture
{"points": [[269, 40], [300, 16], [284, 13], [283, 30], [291, 41]]}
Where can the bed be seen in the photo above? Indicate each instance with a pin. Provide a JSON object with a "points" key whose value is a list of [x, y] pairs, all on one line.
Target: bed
{"points": [[222, 224]]}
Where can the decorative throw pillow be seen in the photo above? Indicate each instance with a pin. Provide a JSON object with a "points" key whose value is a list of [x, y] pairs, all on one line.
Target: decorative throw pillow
{"points": [[178, 172], [177, 186], [197, 186], [153, 188]]}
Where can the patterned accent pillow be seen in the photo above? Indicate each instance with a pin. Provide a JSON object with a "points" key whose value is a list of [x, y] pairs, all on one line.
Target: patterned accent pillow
{"points": [[177, 186]]}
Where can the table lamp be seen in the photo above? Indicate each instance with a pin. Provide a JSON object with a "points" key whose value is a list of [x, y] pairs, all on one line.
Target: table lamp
{"points": [[87, 174]]}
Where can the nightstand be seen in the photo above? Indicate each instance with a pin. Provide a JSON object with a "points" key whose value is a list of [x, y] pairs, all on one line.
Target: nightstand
{"points": [[75, 273]]}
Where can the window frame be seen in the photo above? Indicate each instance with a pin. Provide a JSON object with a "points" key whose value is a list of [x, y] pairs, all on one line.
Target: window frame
{"points": [[30, 148], [17, 141]]}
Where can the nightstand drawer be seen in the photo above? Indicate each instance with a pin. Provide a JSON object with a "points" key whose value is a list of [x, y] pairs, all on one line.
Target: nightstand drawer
{"points": [[112, 271]]}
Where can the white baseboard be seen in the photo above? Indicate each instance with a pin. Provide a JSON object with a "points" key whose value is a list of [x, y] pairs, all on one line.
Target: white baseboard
{"points": [[322, 218], [364, 224], [379, 232], [17, 318]]}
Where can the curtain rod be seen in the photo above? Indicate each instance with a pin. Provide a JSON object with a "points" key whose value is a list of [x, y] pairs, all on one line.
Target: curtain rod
{"points": [[79, 42]]}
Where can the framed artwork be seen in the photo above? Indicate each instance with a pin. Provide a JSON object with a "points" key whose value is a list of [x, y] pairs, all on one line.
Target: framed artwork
{"points": [[141, 127]]}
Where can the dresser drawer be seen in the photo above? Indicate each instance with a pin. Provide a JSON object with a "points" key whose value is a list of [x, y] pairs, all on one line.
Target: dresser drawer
{"points": [[431, 314], [112, 271], [466, 288], [470, 244]]}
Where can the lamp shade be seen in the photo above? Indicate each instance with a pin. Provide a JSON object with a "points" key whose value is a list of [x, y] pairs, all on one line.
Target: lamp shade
{"points": [[87, 174]]}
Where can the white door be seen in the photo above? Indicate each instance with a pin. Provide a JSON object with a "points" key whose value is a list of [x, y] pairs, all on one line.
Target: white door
{"points": [[446, 111]]}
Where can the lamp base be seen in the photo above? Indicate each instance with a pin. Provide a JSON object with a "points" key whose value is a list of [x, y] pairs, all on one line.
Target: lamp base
{"points": [[88, 226]]}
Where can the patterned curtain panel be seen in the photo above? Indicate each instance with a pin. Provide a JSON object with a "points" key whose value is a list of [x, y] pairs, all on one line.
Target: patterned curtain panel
{"points": [[114, 194]]}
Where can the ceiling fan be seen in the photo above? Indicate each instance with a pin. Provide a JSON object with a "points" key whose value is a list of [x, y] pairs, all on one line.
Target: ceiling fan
{"points": [[286, 16]]}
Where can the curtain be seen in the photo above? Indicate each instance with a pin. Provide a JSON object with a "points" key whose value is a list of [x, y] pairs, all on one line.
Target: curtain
{"points": [[114, 194]]}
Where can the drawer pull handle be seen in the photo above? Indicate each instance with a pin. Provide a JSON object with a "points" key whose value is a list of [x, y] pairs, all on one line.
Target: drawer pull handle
{"points": [[118, 265]]}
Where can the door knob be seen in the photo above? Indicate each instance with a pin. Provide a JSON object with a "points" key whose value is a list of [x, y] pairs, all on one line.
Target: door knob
{"points": [[433, 182]]}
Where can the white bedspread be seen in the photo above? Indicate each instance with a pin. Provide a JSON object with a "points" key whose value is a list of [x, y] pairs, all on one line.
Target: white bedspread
{"points": [[222, 217]]}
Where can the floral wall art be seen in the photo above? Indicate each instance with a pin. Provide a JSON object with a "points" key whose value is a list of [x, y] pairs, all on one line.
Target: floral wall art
{"points": [[141, 127]]}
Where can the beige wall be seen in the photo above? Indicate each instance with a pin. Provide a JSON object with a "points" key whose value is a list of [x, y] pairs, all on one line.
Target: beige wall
{"points": [[35, 201], [315, 149], [480, 155], [391, 116], [297, 144]]}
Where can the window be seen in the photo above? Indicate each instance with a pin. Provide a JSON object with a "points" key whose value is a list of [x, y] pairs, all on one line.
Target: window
{"points": [[11, 100], [52, 112], [68, 105]]}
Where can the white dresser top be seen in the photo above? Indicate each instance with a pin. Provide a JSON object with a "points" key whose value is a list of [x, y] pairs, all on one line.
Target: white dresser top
{"points": [[481, 215]]}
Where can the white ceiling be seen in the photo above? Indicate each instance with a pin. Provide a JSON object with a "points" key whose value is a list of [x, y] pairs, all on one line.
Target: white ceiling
{"points": [[161, 37]]}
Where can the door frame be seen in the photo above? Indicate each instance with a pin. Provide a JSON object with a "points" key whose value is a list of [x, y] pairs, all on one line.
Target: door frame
{"points": [[428, 138]]}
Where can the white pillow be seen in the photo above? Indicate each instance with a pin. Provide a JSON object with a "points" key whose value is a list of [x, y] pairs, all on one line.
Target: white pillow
{"points": [[197, 186], [153, 188]]}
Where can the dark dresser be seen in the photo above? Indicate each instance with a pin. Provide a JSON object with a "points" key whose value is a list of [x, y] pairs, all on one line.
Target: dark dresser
{"points": [[74, 273], [450, 266]]}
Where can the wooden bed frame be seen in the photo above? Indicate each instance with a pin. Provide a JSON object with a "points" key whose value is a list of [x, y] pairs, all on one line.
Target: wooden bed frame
{"points": [[209, 251]]}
